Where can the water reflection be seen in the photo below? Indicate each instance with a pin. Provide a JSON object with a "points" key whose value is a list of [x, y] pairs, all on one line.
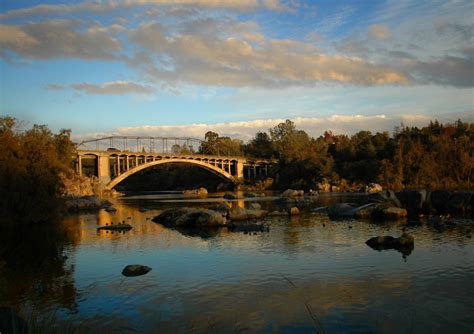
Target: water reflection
{"points": [[36, 273], [220, 281]]}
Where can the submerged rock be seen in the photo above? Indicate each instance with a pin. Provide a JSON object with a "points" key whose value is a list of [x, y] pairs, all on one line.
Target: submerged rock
{"points": [[404, 244], [190, 217], [135, 270], [246, 226]]}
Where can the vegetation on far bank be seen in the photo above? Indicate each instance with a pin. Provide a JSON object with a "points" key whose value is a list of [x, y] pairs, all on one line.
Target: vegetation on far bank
{"points": [[435, 156]]}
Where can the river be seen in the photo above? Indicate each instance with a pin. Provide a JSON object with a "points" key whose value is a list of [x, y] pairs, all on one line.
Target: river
{"points": [[306, 274]]}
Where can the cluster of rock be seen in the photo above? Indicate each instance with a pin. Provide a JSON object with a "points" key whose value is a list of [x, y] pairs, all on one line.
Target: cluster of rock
{"points": [[429, 202], [387, 204], [201, 192]]}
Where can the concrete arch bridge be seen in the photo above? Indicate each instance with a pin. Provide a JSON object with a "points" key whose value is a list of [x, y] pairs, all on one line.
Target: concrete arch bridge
{"points": [[115, 163]]}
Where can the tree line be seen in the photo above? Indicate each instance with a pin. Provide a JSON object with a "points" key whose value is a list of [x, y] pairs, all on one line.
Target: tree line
{"points": [[434, 156], [31, 162]]}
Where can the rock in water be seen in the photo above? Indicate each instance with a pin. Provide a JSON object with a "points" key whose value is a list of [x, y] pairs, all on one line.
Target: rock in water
{"points": [[230, 196], [135, 270], [244, 214], [201, 192], [412, 200], [404, 244], [190, 217], [116, 227]]}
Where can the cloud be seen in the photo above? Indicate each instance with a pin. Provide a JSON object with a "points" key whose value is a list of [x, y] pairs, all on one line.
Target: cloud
{"points": [[107, 88], [57, 39], [379, 31], [107, 6], [237, 62], [315, 126]]}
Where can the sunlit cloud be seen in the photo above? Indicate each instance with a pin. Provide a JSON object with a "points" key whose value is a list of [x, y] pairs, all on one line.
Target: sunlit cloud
{"points": [[246, 130]]}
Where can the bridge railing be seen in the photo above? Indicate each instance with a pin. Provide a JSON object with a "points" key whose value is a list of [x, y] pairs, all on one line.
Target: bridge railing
{"points": [[143, 144]]}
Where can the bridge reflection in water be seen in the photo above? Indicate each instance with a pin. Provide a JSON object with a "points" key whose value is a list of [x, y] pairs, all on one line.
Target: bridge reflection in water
{"points": [[113, 165]]}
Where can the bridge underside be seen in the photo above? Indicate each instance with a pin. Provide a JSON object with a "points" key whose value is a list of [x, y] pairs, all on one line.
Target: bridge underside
{"points": [[114, 167]]}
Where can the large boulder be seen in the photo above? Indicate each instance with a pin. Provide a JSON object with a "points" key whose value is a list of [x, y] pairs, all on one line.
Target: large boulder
{"points": [[404, 244], [201, 192], [412, 200], [135, 270], [459, 202], [190, 217], [439, 200], [245, 214], [388, 212], [291, 193]]}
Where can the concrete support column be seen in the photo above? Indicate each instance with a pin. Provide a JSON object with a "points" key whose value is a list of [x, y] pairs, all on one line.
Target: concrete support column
{"points": [[117, 163], [136, 161], [255, 171], [128, 162], [103, 169], [239, 170]]}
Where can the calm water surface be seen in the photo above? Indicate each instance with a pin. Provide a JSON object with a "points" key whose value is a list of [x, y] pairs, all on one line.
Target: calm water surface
{"points": [[308, 273]]}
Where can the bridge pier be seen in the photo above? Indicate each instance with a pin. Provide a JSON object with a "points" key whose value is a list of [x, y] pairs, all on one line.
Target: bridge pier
{"points": [[103, 169]]}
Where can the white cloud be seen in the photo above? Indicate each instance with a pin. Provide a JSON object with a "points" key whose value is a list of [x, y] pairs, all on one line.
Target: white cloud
{"points": [[315, 126]]}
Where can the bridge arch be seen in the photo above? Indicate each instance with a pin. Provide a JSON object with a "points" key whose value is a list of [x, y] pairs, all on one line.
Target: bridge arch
{"points": [[136, 169]]}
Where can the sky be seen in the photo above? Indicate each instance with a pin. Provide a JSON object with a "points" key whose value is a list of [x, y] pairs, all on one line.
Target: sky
{"points": [[185, 67]]}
